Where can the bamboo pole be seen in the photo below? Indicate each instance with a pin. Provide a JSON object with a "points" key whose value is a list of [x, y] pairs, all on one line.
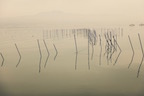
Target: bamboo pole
{"points": [[2, 59], [48, 54], [56, 52], [19, 55], [132, 52], [40, 55], [142, 57], [119, 52], [88, 52], [100, 50]]}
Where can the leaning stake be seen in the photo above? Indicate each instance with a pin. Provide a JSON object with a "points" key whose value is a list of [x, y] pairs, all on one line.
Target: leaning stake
{"points": [[142, 57], [56, 51], [100, 50], [132, 51], [40, 56], [47, 53], [19, 55], [2, 59]]}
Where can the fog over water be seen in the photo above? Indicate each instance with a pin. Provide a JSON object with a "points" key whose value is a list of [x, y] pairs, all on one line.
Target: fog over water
{"points": [[96, 10], [71, 47]]}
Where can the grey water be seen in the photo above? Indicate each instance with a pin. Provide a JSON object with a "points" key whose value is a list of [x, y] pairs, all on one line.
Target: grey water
{"points": [[70, 61]]}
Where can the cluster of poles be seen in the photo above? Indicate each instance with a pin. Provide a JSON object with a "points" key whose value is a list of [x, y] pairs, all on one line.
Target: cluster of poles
{"points": [[63, 33], [48, 54], [108, 50], [40, 52], [111, 47]]}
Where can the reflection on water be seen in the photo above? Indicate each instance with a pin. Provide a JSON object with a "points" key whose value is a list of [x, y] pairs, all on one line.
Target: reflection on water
{"points": [[19, 55], [142, 56], [80, 61], [132, 51], [47, 53]]}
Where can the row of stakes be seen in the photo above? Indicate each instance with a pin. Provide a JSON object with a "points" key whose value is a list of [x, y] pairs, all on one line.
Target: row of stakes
{"points": [[20, 57], [111, 47]]}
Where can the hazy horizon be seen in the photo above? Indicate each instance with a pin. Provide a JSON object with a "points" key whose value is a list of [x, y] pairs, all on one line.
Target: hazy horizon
{"points": [[72, 10]]}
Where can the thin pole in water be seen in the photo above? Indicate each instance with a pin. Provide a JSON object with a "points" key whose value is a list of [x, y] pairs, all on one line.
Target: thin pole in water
{"points": [[40, 56], [75, 43], [100, 50], [92, 50], [2, 59], [142, 57], [19, 55], [119, 52], [76, 51], [76, 61], [113, 49], [88, 51], [56, 51], [47, 53], [132, 51]]}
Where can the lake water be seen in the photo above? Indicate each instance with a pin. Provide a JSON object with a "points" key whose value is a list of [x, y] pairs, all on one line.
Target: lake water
{"points": [[88, 70]]}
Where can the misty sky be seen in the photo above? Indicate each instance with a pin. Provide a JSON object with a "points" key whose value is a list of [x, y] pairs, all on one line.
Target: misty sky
{"points": [[14, 8]]}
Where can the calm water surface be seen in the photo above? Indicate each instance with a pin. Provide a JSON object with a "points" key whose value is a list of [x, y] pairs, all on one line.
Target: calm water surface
{"points": [[67, 73]]}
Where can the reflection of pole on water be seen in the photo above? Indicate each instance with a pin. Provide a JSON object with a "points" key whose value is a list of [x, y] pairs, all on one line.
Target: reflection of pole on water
{"points": [[56, 51], [76, 61], [142, 57], [107, 46], [40, 56], [108, 52], [100, 50], [88, 52], [92, 50], [132, 51], [119, 52], [112, 47], [2, 59], [91, 41], [76, 51], [95, 37], [110, 39], [19, 55], [75, 43], [47, 53]]}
